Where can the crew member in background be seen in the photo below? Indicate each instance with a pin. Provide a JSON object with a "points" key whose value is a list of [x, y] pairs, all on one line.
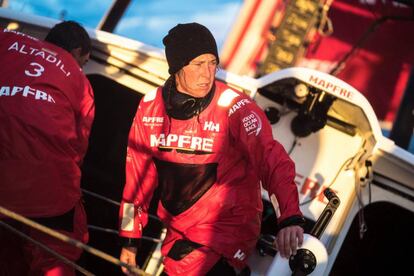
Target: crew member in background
{"points": [[207, 148], [46, 112]]}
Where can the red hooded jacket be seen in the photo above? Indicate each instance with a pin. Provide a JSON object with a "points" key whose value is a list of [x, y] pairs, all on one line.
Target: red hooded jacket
{"points": [[46, 112], [209, 169]]}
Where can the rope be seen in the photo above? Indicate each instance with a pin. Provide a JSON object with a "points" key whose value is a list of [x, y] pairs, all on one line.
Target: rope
{"points": [[106, 230], [93, 227], [48, 249], [101, 197], [111, 201], [330, 184], [71, 241], [325, 26]]}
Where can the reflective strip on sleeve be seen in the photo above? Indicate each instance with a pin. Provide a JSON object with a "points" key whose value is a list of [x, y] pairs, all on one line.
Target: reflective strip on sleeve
{"points": [[227, 97], [127, 223], [275, 205]]}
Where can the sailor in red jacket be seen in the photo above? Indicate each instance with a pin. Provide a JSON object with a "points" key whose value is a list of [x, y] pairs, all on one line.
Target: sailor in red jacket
{"points": [[46, 112], [207, 148]]}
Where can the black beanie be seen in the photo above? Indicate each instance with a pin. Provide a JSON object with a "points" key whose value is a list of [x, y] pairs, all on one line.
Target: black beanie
{"points": [[185, 42]]}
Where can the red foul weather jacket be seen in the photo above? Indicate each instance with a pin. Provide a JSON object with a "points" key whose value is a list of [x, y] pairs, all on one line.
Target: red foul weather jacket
{"points": [[208, 169], [46, 112]]}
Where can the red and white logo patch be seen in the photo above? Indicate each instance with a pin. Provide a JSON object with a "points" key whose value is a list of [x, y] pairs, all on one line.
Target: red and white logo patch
{"points": [[252, 124]]}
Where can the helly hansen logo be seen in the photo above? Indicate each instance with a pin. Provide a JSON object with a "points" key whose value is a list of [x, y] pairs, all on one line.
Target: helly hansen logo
{"points": [[211, 126], [239, 255]]}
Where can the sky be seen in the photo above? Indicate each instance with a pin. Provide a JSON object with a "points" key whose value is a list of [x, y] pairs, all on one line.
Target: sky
{"points": [[145, 20]]}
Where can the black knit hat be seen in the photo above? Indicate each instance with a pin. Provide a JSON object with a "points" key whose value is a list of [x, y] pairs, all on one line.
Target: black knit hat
{"points": [[185, 42]]}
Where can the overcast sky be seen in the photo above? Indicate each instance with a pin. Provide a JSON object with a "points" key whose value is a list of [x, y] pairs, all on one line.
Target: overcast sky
{"points": [[145, 20]]}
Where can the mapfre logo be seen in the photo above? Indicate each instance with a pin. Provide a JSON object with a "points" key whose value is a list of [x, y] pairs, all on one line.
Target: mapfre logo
{"points": [[27, 92], [175, 141], [238, 105], [152, 121], [146, 119]]}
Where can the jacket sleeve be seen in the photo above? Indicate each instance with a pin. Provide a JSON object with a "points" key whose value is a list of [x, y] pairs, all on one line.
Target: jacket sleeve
{"points": [[141, 181], [252, 132], [85, 116]]}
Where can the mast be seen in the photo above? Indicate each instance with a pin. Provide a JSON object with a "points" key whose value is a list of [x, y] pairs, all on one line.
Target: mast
{"points": [[113, 15]]}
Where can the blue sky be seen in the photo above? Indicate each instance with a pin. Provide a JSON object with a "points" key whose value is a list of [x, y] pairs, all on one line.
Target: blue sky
{"points": [[145, 20]]}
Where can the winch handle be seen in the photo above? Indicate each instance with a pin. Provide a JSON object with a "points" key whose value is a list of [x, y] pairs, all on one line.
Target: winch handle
{"points": [[326, 214]]}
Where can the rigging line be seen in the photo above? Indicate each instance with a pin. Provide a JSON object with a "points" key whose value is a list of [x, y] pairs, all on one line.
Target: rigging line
{"points": [[71, 241], [46, 248], [111, 201], [371, 29], [330, 184], [101, 197], [107, 230], [361, 205], [295, 141]]}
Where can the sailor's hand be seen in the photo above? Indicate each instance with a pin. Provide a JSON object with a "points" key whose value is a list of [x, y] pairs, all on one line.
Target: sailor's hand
{"points": [[128, 256], [288, 239]]}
